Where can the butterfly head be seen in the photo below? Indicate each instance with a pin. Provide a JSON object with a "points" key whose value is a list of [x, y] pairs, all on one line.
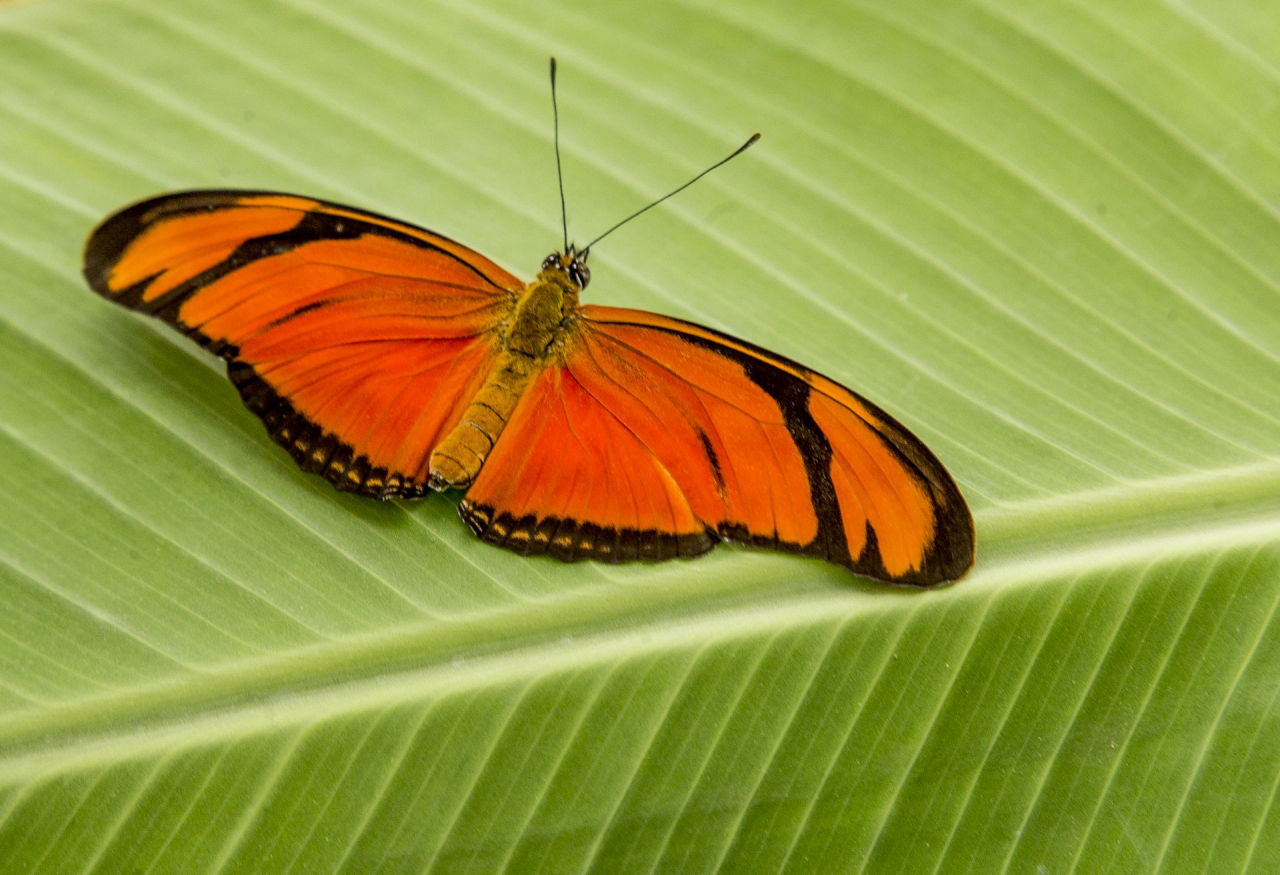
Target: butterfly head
{"points": [[572, 264]]}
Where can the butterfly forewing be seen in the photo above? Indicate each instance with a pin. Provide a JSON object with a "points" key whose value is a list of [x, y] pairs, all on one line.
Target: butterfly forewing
{"points": [[356, 338]]}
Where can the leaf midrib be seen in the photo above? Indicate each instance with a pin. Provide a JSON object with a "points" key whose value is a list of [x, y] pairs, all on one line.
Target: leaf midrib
{"points": [[1039, 540]]}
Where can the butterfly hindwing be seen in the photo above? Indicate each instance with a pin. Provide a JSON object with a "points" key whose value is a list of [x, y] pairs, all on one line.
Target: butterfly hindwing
{"points": [[570, 480], [357, 339], [655, 437]]}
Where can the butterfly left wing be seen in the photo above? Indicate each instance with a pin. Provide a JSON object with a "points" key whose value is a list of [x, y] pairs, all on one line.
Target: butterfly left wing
{"points": [[654, 437], [357, 339]]}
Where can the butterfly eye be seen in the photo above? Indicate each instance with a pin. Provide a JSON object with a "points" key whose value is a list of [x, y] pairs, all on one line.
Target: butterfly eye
{"points": [[550, 261], [580, 274]]}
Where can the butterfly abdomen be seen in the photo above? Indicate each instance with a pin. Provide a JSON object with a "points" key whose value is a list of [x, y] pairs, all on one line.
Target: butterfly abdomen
{"points": [[457, 459], [527, 339]]}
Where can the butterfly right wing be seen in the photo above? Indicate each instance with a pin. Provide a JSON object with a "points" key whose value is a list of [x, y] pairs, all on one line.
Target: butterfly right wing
{"points": [[357, 339], [652, 438]]}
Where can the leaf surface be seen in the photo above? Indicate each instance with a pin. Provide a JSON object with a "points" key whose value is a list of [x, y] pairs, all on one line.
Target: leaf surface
{"points": [[1042, 234]]}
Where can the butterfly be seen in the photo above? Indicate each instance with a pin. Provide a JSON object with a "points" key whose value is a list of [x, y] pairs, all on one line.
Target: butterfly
{"points": [[392, 360]]}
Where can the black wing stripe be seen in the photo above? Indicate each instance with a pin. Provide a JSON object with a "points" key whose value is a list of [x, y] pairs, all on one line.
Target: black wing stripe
{"points": [[110, 240]]}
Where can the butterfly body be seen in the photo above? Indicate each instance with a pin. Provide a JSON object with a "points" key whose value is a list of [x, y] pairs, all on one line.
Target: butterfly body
{"points": [[392, 360], [540, 321]]}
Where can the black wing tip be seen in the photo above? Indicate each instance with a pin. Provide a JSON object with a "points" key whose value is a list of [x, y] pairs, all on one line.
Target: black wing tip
{"points": [[953, 550], [109, 239], [107, 242], [950, 555], [948, 559]]}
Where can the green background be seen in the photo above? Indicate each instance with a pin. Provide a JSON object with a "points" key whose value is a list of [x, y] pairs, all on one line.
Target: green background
{"points": [[1043, 234]]}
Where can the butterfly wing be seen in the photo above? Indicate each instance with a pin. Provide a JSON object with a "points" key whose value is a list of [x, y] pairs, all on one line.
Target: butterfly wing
{"points": [[654, 437], [357, 339]]}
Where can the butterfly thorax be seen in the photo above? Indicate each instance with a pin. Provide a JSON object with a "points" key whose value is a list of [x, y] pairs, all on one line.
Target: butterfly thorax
{"points": [[534, 332], [541, 313]]}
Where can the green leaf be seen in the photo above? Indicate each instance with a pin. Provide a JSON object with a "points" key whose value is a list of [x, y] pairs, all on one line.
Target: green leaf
{"points": [[1044, 234]]}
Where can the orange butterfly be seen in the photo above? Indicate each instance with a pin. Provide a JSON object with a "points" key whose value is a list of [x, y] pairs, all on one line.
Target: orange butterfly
{"points": [[391, 359]]}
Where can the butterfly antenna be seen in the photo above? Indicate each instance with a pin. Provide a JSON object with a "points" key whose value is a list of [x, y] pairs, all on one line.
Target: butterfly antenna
{"points": [[555, 112], [738, 152]]}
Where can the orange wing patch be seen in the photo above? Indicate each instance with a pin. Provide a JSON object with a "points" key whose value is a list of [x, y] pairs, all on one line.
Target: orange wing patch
{"points": [[358, 340]]}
